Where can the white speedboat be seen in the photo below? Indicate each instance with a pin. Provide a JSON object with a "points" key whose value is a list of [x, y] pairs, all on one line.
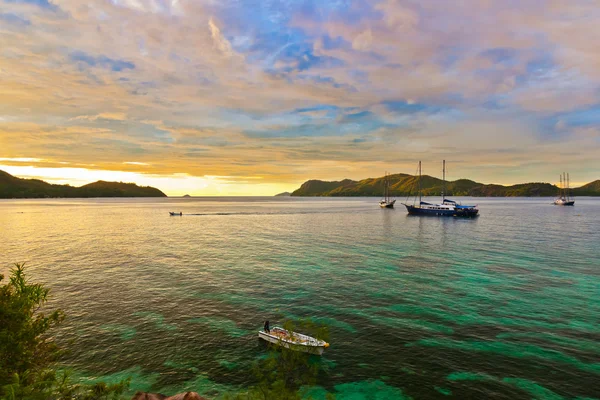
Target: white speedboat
{"points": [[294, 341]]}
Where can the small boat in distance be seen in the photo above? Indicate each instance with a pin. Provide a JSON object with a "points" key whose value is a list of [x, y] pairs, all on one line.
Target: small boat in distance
{"points": [[448, 208], [293, 340], [564, 197], [174, 214], [386, 202]]}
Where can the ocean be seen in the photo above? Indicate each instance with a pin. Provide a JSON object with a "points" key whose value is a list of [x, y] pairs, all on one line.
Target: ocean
{"points": [[503, 306]]}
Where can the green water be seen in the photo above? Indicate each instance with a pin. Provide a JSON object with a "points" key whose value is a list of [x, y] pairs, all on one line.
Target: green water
{"points": [[503, 306]]}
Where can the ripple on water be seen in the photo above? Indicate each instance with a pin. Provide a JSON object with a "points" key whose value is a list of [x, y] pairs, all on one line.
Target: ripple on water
{"points": [[516, 350], [368, 390], [125, 332], [224, 325], [504, 298], [140, 380], [156, 319]]}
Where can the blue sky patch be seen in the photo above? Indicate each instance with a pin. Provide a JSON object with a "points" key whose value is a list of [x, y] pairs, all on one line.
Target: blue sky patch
{"points": [[404, 107], [41, 3], [581, 118], [101, 61], [14, 19], [501, 55]]}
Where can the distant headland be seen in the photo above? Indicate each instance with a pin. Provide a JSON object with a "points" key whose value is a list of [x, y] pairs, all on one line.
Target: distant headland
{"points": [[405, 185], [12, 187]]}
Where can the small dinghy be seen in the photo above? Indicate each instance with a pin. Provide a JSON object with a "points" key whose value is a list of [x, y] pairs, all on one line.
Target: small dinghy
{"points": [[173, 214], [294, 341]]}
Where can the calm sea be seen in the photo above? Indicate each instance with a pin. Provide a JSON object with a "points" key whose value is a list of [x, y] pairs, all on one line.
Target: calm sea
{"points": [[503, 306]]}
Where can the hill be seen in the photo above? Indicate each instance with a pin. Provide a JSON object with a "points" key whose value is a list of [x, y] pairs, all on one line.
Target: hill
{"points": [[12, 187], [405, 185], [591, 189], [318, 188]]}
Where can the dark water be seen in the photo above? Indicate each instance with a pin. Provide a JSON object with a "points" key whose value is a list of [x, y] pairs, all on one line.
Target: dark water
{"points": [[503, 306]]}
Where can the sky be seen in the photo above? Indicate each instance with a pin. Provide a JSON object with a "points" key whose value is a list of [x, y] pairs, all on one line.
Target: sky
{"points": [[254, 97]]}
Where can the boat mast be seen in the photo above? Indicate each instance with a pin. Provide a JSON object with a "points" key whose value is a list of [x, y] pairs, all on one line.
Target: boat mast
{"points": [[568, 187], [444, 181], [419, 183], [564, 185], [560, 187], [387, 189]]}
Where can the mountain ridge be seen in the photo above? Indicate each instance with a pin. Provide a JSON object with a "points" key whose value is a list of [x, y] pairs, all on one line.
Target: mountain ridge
{"points": [[405, 185], [12, 187]]}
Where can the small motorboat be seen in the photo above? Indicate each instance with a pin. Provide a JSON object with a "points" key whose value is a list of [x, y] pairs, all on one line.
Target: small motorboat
{"points": [[175, 214], [293, 340]]}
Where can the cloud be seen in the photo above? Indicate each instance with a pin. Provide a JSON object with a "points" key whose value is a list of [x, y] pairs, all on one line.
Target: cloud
{"points": [[290, 91], [135, 163], [398, 16], [114, 116], [219, 40], [21, 159], [363, 40]]}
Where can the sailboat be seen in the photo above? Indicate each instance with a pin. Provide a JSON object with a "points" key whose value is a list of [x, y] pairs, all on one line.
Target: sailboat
{"points": [[448, 208], [564, 197], [386, 202]]}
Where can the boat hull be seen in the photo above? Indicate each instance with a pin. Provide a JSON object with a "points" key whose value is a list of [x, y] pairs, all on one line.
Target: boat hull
{"points": [[383, 204], [459, 212], [317, 349], [564, 203]]}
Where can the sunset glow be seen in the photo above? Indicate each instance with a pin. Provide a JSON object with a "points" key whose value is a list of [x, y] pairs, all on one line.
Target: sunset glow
{"points": [[247, 98]]}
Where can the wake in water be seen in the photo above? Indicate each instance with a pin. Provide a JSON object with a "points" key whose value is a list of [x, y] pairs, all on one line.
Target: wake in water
{"points": [[264, 213]]}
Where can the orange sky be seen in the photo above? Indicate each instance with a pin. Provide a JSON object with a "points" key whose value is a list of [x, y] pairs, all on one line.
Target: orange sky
{"points": [[226, 98]]}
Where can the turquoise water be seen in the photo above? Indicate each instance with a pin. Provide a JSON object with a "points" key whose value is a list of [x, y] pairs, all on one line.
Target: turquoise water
{"points": [[503, 306]]}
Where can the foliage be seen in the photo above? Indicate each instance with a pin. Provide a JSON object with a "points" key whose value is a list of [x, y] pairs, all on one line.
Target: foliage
{"points": [[286, 374], [591, 189], [58, 385], [27, 352], [320, 188], [13, 187], [406, 185], [23, 345]]}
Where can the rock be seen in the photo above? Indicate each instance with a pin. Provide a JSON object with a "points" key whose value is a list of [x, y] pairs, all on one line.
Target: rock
{"points": [[158, 396], [148, 396]]}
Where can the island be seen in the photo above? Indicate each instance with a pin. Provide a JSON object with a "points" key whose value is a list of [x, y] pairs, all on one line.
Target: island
{"points": [[12, 187], [406, 185], [284, 194]]}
